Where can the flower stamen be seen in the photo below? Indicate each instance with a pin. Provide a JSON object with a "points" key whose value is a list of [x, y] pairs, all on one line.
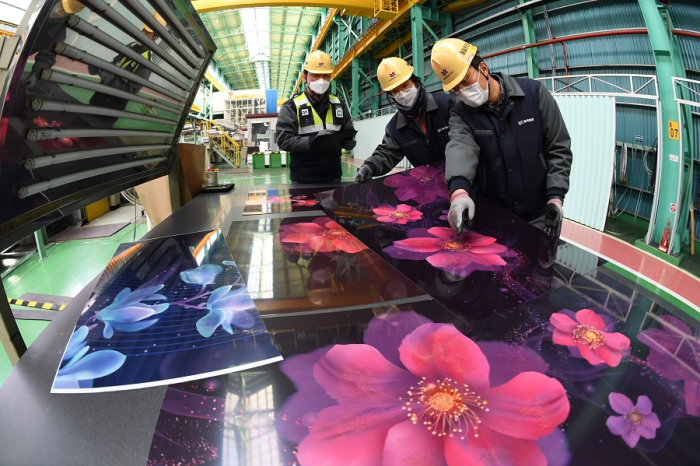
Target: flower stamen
{"points": [[396, 215], [336, 233], [445, 408], [590, 336], [454, 245]]}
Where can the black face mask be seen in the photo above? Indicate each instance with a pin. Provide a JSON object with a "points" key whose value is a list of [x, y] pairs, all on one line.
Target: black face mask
{"points": [[418, 106]]}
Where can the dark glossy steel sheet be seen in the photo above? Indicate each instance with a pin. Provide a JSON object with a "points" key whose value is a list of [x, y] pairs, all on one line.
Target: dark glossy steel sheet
{"points": [[598, 371], [311, 263]]}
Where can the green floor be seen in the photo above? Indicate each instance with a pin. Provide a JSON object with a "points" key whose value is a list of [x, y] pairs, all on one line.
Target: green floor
{"points": [[73, 264]]}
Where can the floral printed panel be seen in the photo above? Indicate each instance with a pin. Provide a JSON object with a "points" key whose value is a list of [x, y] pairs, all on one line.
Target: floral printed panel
{"points": [[274, 201], [165, 310], [310, 263], [501, 262], [598, 371]]}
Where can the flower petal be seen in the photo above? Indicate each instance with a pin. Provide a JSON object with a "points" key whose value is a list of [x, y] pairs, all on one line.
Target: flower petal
{"points": [[589, 355], [507, 360], [609, 356], [388, 331], [350, 245], [408, 443], [493, 448], [620, 403], [617, 425], [208, 324], [555, 447], [440, 351], [476, 240], [94, 366], [360, 374], [616, 341], [348, 436], [631, 438], [418, 244], [321, 244], [563, 322], [218, 293], [404, 208], [530, 406], [442, 232], [588, 317], [561, 338]]}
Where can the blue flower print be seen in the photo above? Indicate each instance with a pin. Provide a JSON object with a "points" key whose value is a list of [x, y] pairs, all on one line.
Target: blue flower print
{"points": [[127, 312], [82, 368], [202, 275], [226, 308]]}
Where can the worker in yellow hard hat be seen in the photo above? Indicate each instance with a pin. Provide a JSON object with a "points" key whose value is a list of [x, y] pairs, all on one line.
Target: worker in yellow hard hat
{"points": [[126, 63], [312, 114], [508, 140], [418, 131]]}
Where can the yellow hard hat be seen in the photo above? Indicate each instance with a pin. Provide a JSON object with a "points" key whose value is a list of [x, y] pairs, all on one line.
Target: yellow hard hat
{"points": [[392, 72], [158, 18], [450, 59], [72, 6], [318, 62]]}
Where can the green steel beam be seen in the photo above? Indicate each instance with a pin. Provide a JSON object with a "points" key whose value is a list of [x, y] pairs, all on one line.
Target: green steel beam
{"points": [[420, 17], [355, 90], [668, 207], [533, 68]]}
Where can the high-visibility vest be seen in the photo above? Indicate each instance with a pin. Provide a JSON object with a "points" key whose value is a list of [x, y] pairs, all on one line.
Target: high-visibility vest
{"points": [[311, 123], [126, 62]]}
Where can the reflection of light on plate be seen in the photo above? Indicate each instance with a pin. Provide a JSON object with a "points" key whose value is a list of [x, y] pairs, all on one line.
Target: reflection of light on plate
{"points": [[260, 278]]}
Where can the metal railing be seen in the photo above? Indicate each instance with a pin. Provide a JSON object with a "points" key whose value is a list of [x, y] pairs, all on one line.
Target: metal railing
{"points": [[219, 139], [617, 85], [375, 113]]}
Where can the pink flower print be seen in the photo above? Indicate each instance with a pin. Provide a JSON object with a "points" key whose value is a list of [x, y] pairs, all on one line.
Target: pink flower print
{"points": [[635, 420], [401, 214], [303, 201], [459, 255], [422, 184], [588, 335], [439, 404], [273, 199], [321, 235]]}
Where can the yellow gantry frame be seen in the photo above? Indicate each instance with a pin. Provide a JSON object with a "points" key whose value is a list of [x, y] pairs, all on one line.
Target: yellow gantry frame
{"points": [[363, 8]]}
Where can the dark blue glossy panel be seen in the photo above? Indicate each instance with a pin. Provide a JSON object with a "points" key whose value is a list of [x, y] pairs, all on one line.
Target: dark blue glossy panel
{"points": [[598, 371], [167, 309]]}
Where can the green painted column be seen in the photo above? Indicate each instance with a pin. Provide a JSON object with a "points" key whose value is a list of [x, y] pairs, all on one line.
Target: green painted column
{"points": [[40, 237], [417, 41], [668, 206], [533, 67], [355, 91]]}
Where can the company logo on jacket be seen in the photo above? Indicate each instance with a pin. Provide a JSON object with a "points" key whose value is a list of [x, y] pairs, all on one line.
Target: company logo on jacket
{"points": [[440, 130], [527, 120]]}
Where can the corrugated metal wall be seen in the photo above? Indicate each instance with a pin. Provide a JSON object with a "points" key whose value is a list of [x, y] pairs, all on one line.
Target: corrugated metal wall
{"points": [[591, 124]]}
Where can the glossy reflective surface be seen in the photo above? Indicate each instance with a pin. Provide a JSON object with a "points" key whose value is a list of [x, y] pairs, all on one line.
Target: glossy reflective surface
{"points": [[597, 371], [281, 200], [311, 263], [502, 262], [53, 92], [166, 309]]}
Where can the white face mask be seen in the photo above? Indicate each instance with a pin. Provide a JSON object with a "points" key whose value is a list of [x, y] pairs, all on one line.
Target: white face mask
{"points": [[407, 97], [320, 86], [473, 95]]}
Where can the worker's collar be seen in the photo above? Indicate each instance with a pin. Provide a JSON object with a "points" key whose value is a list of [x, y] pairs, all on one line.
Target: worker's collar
{"points": [[314, 99], [509, 86], [430, 105]]}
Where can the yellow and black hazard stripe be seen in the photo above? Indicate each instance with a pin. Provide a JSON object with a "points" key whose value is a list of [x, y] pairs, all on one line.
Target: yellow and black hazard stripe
{"points": [[36, 304]]}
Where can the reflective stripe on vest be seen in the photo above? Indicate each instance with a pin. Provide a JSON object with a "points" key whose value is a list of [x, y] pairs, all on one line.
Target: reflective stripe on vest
{"points": [[318, 123], [126, 61]]}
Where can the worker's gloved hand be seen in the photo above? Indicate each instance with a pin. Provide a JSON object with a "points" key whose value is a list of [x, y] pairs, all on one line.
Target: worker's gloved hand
{"points": [[553, 218], [461, 204], [324, 132], [93, 69], [365, 173], [348, 144]]}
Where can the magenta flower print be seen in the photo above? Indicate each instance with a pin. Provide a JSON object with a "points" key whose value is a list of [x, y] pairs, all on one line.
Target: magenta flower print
{"points": [[321, 235], [634, 421], [439, 403], [588, 335], [458, 255], [401, 214], [422, 184]]}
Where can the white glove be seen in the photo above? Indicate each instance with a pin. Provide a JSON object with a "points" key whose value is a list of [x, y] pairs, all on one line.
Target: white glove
{"points": [[459, 204]]}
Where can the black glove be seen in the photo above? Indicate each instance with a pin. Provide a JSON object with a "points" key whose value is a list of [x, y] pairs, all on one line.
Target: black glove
{"points": [[553, 217], [31, 80], [348, 144], [461, 204], [93, 69], [365, 173], [324, 132]]}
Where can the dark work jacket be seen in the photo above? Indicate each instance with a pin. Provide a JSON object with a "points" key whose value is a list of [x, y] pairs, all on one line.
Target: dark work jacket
{"points": [[524, 155], [404, 137]]}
